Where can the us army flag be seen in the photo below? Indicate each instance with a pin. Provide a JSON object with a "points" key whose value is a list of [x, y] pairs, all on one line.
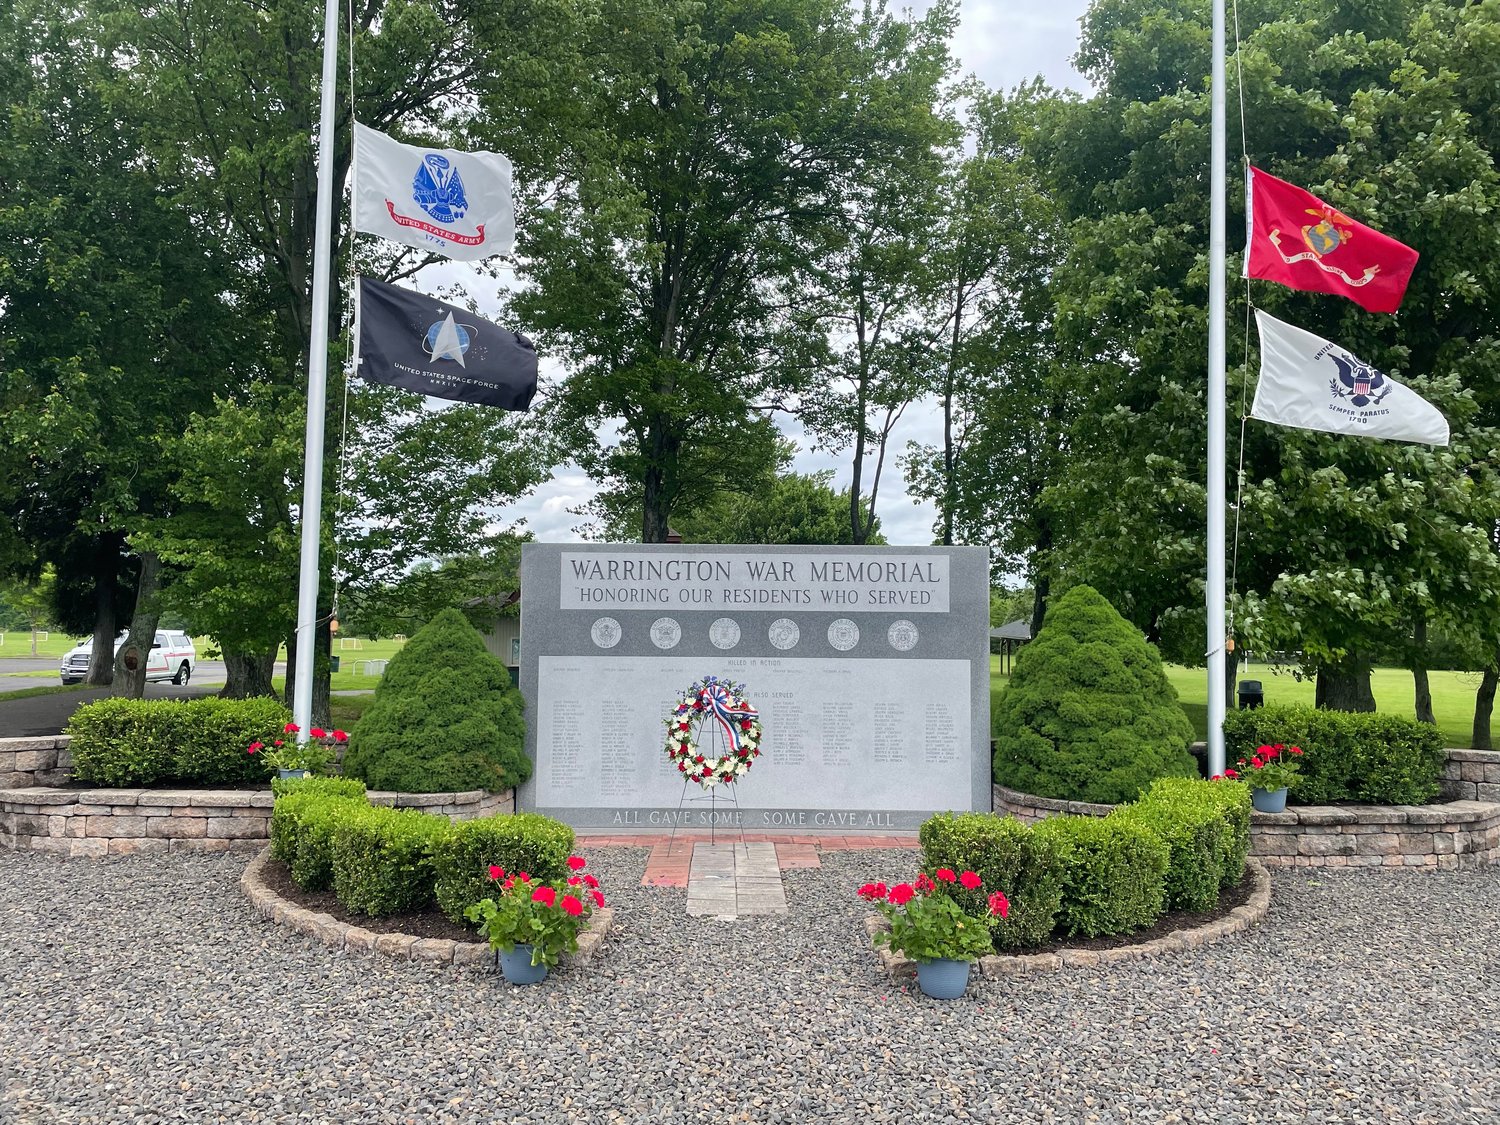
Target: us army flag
{"points": [[422, 344], [1311, 384], [453, 203]]}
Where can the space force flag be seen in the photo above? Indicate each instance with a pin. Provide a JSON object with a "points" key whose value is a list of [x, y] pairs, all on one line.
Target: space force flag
{"points": [[1294, 238], [421, 344], [453, 203], [1311, 384]]}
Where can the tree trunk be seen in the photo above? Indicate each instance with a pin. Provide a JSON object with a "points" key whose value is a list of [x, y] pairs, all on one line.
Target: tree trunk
{"points": [[656, 507], [1419, 671], [130, 662], [102, 657], [1041, 582], [322, 668], [1484, 703], [1345, 688], [249, 675]]}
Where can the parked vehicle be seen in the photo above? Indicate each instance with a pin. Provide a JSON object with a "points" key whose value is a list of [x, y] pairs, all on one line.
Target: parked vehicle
{"points": [[173, 657]]}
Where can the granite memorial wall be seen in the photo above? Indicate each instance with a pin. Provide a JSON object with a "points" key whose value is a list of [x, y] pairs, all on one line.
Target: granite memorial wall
{"points": [[869, 667]]}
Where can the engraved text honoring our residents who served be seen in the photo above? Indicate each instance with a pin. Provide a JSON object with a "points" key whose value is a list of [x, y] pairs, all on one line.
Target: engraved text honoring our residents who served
{"points": [[890, 582]]}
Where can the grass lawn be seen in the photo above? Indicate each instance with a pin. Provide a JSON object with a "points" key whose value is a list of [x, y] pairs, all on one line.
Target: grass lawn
{"points": [[56, 689], [1452, 694]]}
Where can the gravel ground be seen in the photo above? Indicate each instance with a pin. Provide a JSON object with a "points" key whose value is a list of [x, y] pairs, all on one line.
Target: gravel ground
{"points": [[143, 990]]}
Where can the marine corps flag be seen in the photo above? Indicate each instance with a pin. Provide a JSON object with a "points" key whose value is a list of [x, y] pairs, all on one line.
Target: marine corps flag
{"points": [[1294, 238], [1312, 384], [421, 344]]}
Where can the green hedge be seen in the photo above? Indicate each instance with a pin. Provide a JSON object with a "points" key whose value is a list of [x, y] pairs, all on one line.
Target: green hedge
{"points": [[323, 786], [525, 842], [129, 742], [1232, 799], [382, 858], [1372, 758], [1114, 873], [303, 823], [1195, 831], [1009, 857]]}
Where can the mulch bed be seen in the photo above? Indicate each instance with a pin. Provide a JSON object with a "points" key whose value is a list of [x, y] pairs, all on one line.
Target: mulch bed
{"points": [[1166, 924], [430, 923]]}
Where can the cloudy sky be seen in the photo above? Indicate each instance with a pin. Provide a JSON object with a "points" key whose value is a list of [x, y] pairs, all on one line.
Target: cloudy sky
{"points": [[1004, 42]]}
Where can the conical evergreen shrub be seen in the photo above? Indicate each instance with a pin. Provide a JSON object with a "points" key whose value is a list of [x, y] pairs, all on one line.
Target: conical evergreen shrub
{"points": [[1089, 714], [446, 717]]}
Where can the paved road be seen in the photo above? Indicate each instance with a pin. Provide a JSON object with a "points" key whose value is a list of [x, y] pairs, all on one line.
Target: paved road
{"points": [[48, 714]]}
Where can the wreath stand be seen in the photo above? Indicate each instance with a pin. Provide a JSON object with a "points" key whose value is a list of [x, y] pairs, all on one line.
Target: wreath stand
{"points": [[712, 797]]}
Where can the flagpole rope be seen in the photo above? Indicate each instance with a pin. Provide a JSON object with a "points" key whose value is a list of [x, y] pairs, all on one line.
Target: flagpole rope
{"points": [[343, 474], [1239, 476]]}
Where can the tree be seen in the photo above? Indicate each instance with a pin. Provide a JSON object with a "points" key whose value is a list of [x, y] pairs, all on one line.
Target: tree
{"points": [[1089, 714], [111, 326], [1342, 541], [446, 717], [997, 246], [692, 155], [229, 93], [788, 508]]}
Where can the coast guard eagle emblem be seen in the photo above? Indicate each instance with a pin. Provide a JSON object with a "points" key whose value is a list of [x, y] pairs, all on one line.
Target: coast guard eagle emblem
{"points": [[1360, 383]]}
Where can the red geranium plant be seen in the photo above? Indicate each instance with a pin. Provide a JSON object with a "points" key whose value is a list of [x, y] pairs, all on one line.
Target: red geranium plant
{"points": [[289, 754], [1269, 768], [926, 926], [545, 916]]}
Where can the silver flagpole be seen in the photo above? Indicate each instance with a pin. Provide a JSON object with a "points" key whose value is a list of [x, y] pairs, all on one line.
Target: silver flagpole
{"points": [[1214, 587], [317, 379]]}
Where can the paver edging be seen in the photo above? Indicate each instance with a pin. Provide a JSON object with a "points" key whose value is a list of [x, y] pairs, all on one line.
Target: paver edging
{"points": [[358, 941], [996, 965]]}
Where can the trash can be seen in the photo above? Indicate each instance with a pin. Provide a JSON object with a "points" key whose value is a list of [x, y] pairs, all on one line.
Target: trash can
{"points": [[1251, 694], [333, 662]]}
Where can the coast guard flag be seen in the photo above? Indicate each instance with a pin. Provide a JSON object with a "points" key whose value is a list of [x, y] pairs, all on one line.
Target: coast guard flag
{"points": [[1294, 238], [411, 341], [453, 203], [1311, 384]]}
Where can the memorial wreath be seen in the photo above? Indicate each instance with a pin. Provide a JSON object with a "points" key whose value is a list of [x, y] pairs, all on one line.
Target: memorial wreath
{"points": [[722, 702]]}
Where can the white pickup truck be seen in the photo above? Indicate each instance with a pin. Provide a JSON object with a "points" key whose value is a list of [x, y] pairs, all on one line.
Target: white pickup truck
{"points": [[173, 657]]}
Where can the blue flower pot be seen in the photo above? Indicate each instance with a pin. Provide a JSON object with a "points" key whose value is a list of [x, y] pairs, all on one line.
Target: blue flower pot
{"points": [[517, 968], [943, 979], [1269, 800], [292, 773]]}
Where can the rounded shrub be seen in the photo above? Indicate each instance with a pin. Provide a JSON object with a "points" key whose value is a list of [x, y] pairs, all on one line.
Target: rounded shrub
{"points": [[1114, 873], [1009, 857], [446, 717], [1089, 714], [528, 842], [380, 857]]}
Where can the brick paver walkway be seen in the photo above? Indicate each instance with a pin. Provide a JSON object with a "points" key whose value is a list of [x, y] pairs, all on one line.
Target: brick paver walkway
{"points": [[670, 862], [735, 880]]}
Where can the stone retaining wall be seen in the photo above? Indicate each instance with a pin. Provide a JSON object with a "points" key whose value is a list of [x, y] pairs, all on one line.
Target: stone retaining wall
{"points": [[1443, 837], [100, 822], [44, 760], [1472, 775]]}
